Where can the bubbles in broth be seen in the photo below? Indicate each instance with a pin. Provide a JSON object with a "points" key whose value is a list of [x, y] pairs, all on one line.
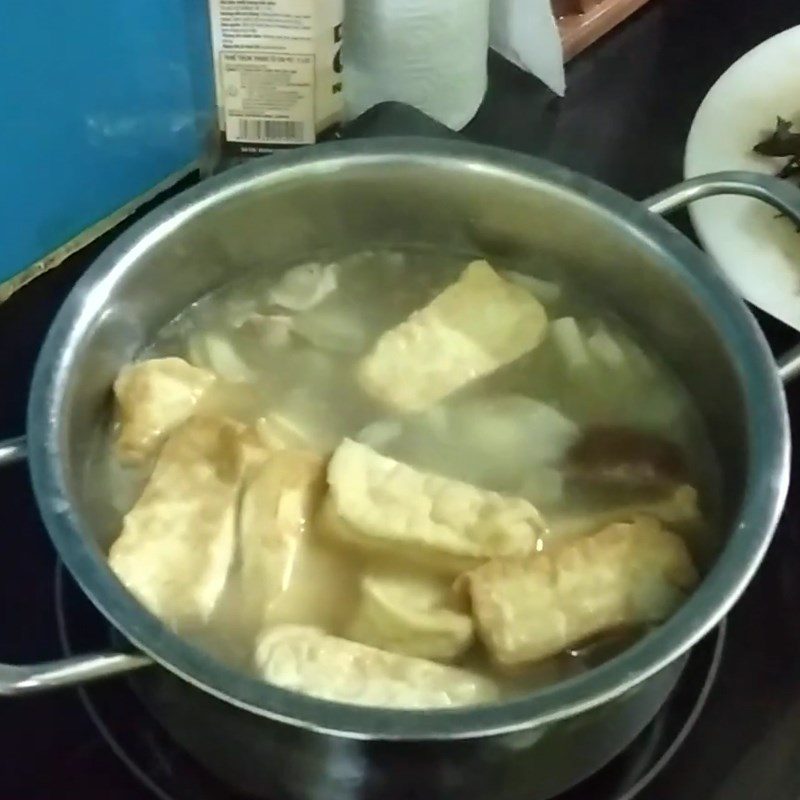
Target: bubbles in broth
{"points": [[392, 479]]}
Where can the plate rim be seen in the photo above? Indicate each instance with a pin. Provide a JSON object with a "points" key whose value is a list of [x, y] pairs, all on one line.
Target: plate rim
{"points": [[707, 242]]}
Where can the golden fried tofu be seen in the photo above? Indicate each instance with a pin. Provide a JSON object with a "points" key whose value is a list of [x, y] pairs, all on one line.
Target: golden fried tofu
{"points": [[626, 575], [178, 540], [412, 614], [678, 510], [475, 326], [277, 504], [305, 659], [384, 505], [154, 397]]}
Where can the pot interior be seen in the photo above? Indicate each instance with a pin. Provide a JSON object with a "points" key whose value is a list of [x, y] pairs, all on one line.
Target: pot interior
{"points": [[459, 199], [323, 210]]}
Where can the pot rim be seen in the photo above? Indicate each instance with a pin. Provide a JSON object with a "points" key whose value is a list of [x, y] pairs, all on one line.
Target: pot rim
{"points": [[766, 488]]}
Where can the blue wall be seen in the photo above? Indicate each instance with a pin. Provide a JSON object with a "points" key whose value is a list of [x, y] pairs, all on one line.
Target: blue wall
{"points": [[100, 100]]}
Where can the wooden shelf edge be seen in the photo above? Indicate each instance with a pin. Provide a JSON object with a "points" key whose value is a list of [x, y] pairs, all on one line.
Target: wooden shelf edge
{"points": [[578, 31]]}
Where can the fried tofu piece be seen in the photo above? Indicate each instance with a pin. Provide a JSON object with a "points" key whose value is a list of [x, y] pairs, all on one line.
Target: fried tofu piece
{"points": [[678, 510], [306, 659], [276, 506], [178, 540], [384, 505], [626, 575], [475, 326], [153, 398], [410, 614]]}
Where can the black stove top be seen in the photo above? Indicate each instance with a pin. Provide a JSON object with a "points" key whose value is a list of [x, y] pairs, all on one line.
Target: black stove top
{"points": [[630, 103]]}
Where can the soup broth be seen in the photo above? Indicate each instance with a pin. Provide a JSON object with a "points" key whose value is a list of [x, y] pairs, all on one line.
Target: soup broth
{"points": [[584, 430]]}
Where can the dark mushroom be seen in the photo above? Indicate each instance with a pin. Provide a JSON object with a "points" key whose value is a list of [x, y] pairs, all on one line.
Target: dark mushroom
{"points": [[619, 457]]}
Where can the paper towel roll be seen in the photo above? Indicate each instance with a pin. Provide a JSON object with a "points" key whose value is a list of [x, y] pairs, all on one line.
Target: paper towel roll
{"points": [[431, 55], [526, 33]]}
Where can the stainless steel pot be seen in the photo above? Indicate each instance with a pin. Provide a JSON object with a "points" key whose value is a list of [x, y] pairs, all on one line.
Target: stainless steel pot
{"points": [[462, 198]]}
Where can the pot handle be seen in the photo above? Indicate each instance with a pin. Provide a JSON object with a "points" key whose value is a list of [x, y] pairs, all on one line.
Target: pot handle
{"points": [[34, 678], [780, 194]]}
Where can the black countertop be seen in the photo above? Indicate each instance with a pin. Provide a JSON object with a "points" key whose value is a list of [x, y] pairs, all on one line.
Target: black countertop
{"points": [[624, 121]]}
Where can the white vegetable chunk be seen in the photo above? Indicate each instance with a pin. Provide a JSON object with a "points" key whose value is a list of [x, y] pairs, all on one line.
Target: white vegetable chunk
{"points": [[499, 443], [276, 431], [225, 360], [273, 331], [605, 347], [305, 286], [305, 659], [297, 425], [570, 342], [335, 328], [545, 291], [522, 431], [379, 433]]}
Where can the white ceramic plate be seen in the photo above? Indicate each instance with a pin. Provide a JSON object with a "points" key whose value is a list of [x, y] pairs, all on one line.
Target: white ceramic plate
{"points": [[759, 252]]}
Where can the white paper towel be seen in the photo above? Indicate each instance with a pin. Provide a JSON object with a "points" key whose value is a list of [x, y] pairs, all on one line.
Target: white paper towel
{"points": [[525, 32], [432, 53]]}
